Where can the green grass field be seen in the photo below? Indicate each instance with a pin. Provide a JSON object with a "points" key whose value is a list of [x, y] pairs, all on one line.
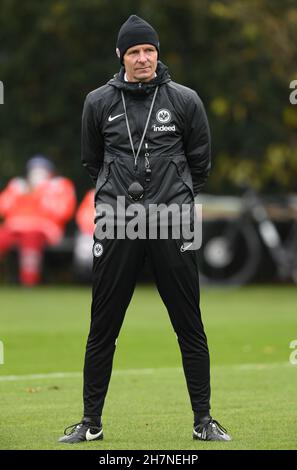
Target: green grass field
{"points": [[253, 383]]}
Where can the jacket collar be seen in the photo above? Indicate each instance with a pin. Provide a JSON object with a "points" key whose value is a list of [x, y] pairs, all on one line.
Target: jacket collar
{"points": [[141, 88]]}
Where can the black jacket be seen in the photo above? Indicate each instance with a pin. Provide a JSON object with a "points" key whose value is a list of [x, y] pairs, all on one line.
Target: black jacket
{"points": [[177, 138]]}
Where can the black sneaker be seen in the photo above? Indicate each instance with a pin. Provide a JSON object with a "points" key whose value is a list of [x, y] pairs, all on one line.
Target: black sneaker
{"points": [[83, 431], [211, 431]]}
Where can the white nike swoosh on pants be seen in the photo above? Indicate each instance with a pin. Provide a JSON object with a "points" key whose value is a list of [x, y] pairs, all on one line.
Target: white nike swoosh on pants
{"points": [[185, 248]]}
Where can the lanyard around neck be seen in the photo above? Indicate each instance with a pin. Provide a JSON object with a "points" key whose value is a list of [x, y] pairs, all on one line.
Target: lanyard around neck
{"points": [[145, 128]]}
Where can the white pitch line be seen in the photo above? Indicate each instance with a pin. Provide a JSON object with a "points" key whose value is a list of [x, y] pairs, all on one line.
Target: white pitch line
{"points": [[257, 366], [71, 375], [53, 375]]}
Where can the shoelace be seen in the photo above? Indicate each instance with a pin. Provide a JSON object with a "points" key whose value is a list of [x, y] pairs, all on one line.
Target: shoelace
{"points": [[72, 428], [218, 425]]}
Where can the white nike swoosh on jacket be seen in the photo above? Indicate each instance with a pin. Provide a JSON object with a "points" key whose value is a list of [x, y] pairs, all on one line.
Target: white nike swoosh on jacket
{"points": [[114, 117]]}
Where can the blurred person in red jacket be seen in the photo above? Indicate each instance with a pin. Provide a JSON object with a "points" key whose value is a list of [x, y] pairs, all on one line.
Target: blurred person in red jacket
{"points": [[35, 211], [85, 214], [83, 242]]}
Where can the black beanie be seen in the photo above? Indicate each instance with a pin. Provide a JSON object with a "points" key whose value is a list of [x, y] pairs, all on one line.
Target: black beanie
{"points": [[135, 31]]}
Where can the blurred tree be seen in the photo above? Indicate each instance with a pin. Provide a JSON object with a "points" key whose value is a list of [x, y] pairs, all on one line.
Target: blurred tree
{"points": [[239, 56]]}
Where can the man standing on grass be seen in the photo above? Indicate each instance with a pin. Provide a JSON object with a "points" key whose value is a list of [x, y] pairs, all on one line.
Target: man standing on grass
{"points": [[145, 139]]}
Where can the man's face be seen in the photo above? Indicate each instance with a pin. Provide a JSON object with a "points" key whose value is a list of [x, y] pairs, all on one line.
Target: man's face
{"points": [[141, 62]]}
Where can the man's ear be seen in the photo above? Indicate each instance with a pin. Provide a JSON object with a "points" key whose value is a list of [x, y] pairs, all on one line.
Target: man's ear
{"points": [[118, 52]]}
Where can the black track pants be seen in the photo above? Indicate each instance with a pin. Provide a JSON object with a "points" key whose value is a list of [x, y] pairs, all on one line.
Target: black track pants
{"points": [[115, 272]]}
